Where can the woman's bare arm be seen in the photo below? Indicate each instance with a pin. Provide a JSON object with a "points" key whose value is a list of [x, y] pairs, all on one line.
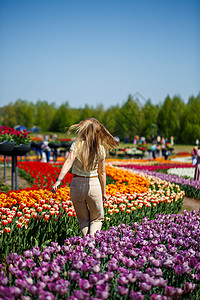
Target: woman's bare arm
{"points": [[65, 168], [102, 178]]}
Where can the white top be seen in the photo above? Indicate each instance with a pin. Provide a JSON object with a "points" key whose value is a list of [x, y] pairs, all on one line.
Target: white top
{"points": [[77, 167]]}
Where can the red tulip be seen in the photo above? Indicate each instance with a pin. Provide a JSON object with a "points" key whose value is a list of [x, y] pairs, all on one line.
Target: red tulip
{"points": [[7, 229], [4, 222]]}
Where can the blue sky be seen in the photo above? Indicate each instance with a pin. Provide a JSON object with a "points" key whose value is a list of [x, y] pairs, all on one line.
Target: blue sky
{"points": [[98, 51]]}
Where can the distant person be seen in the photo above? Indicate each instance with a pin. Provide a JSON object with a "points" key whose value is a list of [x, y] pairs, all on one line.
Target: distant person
{"points": [[158, 149], [135, 140], [163, 149], [143, 139], [153, 150], [127, 140], [197, 166], [46, 149], [194, 156], [197, 142], [172, 141], [166, 154], [163, 141], [158, 139]]}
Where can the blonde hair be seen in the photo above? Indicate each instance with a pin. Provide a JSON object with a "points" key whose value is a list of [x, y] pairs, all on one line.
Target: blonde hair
{"points": [[92, 134]]}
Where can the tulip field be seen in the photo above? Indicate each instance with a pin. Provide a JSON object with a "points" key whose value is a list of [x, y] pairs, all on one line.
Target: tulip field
{"points": [[146, 249]]}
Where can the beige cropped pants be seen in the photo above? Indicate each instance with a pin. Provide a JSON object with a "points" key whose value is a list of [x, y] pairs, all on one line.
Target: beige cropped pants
{"points": [[86, 196]]}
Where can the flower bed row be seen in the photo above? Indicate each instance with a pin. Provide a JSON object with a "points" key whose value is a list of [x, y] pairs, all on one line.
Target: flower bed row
{"points": [[43, 175], [182, 172], [189, 186], [157, 167], [148, 162], [158, 259]]}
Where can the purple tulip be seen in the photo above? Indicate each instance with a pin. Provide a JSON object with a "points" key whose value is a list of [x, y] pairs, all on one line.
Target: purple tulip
{"points": [[182, 269], [46, 296], [197, 254], [189, 287], [113, 265], [93, 278], [168, 263], [74, 275], [40, 285], [84, 284], [37, 273], [96, 268], [81, 295], [122, 290], [122, 280], [4, 280], [130, 278], [46, 257], [58, 289], [156, 263], [145, 286], [85, 267], [77, 264], [197, 276], [46, 278], [128, 262], [36, 251], [16, 291], [28, 253], [13, 258], [55, 268], [159, 297], [136, 295], [173, 291], [102, 294], [145, 277], [193, 263], [21, 283], [28, 263], [32, 289]]}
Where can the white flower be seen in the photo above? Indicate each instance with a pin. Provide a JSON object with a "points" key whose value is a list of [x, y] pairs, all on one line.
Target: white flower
{"points": [[182, 172]]}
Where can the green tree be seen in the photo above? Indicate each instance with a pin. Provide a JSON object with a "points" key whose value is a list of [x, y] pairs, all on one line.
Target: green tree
{"points": [[179, 108], [44, 114], [191, 121], [110, 119], [25, 113], [130, 120], [166, 116], [10, 116], [63, 118], [87, 112], [150, 116], [99, 113]]}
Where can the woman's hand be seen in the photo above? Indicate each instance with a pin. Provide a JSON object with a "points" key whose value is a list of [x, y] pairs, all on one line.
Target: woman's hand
{"points": [[104, 197], [55, 187]]}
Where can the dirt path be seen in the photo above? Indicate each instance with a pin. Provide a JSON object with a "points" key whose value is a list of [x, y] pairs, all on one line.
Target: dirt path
{"points": [[191, 204], [22, 183]]}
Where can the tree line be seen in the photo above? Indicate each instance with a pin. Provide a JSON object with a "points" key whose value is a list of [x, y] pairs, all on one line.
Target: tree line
{"points": [[173, 117]]}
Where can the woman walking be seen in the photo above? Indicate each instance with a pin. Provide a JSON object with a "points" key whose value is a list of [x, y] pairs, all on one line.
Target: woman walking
{"points": [[87, 159], [197, 166]]}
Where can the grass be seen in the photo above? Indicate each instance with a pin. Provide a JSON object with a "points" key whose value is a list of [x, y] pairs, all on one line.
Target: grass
{"points": [[4, 187]]}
